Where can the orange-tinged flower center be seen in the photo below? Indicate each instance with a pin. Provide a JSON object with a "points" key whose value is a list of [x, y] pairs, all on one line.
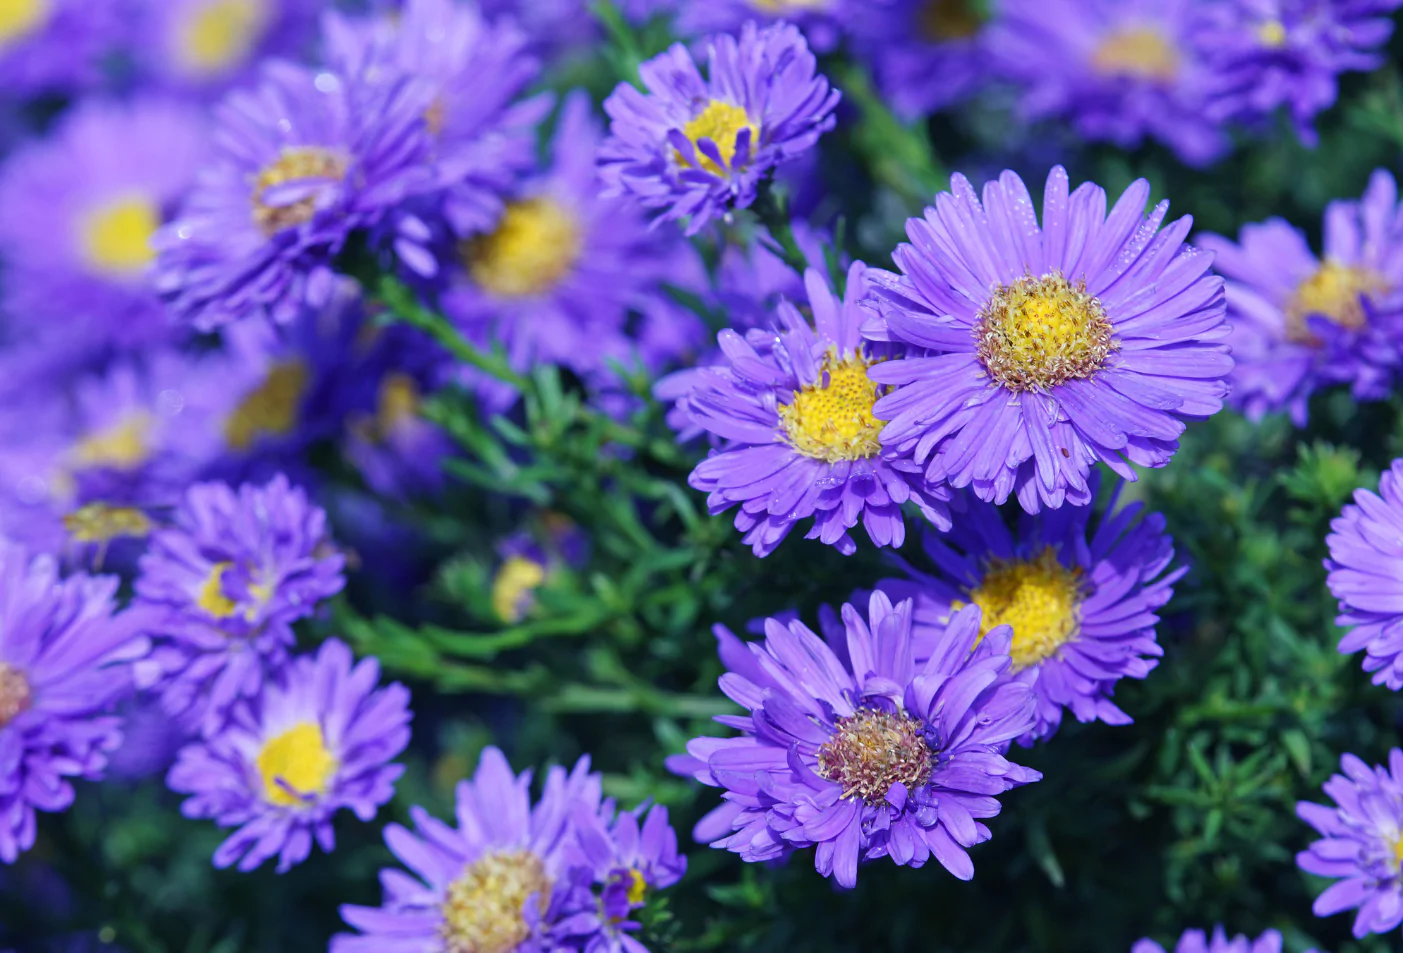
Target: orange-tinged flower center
{"points": [[302, 164], [872, 750]]}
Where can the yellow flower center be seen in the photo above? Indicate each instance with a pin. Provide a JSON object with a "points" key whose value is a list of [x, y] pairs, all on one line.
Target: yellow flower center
{"points": [[1040, 332], [103, 522], [220, 34], [637, 887], [397, 401], [297, 759], [270, 409], [1138, 53], [306, 164], [117, 236], [1335, 292], [1040, 598], [1271, 34], [943, 20], [15, 694], [19, 18], [485, 910], [1397, 845], [721, 123], [534, 246], [831, 419], [212, 598], [871, 751], [123, 446], [511, 590]]}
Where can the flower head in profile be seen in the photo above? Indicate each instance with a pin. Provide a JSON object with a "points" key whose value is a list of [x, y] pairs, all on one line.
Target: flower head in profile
{"points": [[694, 147], [1079, 591], [793, 409], [1302, 322], [1196, 941], [224, 584], [926, 55], [1038, 350], [1366, 566], [852, 747], [316, 739], [1361, 844], [209, 45], [61, 645]]}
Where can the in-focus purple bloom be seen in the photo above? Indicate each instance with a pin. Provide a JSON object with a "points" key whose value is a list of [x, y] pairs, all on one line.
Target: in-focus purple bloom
{"points": [[316, 739], [1117, 70], [1081, 599], [793, 408], [1196, 941], [853, 748], [694, 147], [926, 55], [1366, 575], [1092, 337], [60, 643], [56, 46], [223, 586], [1300, 323], [1361, 843]]}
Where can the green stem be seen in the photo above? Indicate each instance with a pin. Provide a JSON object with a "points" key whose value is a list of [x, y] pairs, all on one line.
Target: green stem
{"points": [[773, 211]]}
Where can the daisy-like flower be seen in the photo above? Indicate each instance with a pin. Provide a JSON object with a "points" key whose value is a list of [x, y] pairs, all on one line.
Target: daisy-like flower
{"points": [[60, 648], [855, 749], [1117, 70], [1090, 338], [1365, 564], [927, 55], [1081, 598], [302, 160], [314, 741], [1196, 941], [694, 147], [56, 46], [793, 407], [224, 585], [78, 210], [1361, 843], [1300, 322], [501, 880]]}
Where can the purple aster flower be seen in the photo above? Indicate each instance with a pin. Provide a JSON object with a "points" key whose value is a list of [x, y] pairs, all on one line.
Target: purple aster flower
{"points": [[59, 643], [77, 213], [313, 741], [852, 747], [927, 55], [1091, 338], [56, 46], [1081, 600], [1196, 941], [1302, 322], [1275, 53], [302, 160], [394, 447], [1361, 843], [696, 147], [224, 584], [822, 21], [1366, 564], [1118, 70], [501, 880]]}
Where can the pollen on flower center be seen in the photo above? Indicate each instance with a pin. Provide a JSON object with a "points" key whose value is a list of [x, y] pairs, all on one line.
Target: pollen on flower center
{"points": [[117, 236], [301, 171], [18, 18], [296, 765], [511, 590], [872, 750], [721, 123], [1334, 292], [1041, 332], [637, 887], [535, 245], [15, 693], [1138, 53], [211, 597], [1271, 34], [485, 909], [271, 409], [123, 446], [220, 33], [831, 419], [943, 20], [1039, 598]]}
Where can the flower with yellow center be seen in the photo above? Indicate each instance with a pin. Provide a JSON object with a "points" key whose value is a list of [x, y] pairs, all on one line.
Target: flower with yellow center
{"points": [[943, 20], [211, 597], [720, 122], [872, 750], [269, 410], [484, 910], [516, 580], [1335, 292], [637, 887], [1137, 53], [1038, 333], [1271, 34], [1039, 598], [219, 34], [296, 765], [831, 419], [116, 237], [20, 18], [123, 446], [15, 694], [534, 246], [297, 164]]}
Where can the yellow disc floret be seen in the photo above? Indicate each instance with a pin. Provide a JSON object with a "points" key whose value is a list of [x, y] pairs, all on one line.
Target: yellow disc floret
{"points": [[123, 446], [485, 909], [831, 419], [15, 693], [872, 750], [720, 122], [269, 410], [117, 236], [296, 765], [1271, 34], [219, 34], [303, 163], [1138, 53], [1040, 332], [211, 597], [1334, 292], [534, 246], [19, 18], [1039, 598], [516, 580], [104, 522]]}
